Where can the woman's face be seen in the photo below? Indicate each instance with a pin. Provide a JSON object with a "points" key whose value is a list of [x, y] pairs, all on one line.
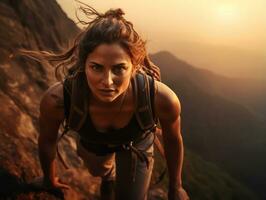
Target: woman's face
{"points": [[108, 70]]}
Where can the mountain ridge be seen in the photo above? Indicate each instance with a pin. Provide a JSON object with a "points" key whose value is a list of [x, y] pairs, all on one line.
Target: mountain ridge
{"points": [[245, 91], [219, 129]]}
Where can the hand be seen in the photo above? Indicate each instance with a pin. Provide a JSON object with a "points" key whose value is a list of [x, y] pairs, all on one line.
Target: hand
{"points": [[177, 194], [40, 183]]}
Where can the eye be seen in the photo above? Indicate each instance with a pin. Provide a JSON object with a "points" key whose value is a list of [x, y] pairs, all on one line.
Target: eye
{"points": [[97, 68], [119, 69]]}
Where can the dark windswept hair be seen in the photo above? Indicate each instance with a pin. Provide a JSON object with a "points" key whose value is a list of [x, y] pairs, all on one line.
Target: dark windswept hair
{"points": [[109, 27]]}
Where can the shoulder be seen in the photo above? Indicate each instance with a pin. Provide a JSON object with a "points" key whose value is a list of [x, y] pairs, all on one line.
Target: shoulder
{"points": [[52, 102], [166, 103]]}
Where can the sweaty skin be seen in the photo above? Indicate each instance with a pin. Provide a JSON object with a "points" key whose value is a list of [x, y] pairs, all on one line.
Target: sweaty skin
{"points": [[168, 109], [51, 115]]}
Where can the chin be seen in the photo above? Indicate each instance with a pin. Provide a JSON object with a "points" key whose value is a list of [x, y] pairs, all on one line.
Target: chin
{"points": [[107, 99]]}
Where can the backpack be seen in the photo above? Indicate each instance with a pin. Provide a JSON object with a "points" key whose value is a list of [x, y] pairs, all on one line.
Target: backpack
{"points": [[76, 110]]}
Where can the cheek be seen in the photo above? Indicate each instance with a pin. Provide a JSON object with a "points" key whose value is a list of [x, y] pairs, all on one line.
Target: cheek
{"points": [[88, 75], [124, 83], [125, 78], [91, 79]]}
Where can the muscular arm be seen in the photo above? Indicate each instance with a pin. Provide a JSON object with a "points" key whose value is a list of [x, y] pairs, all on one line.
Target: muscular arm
{"points": [[51, 115], [167, 108]]}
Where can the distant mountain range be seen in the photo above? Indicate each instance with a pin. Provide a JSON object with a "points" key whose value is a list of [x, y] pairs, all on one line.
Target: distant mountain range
{"points": [[217, 123], [250, 93], [225, 60]]}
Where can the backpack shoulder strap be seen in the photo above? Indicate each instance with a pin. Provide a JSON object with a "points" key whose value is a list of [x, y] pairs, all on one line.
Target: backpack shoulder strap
{"points": [[143, 86], [75, 103]]}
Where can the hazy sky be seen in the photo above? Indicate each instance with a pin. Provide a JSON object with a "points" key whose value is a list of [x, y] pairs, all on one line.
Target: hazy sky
{"points": [[239, 23], [225, 36]]}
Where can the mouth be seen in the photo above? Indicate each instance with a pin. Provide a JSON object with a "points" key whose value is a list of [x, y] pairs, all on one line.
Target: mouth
{"points": [[107, 91]]}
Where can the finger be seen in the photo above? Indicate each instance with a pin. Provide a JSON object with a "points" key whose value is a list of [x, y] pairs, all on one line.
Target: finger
{"points": [[63, 186], [66, 187]]}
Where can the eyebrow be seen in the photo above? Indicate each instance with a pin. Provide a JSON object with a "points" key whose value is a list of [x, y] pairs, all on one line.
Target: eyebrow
{"points": [[116, 65]]}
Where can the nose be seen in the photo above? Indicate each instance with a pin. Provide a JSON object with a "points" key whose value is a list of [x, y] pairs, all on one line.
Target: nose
{"points": [[108, 79]]}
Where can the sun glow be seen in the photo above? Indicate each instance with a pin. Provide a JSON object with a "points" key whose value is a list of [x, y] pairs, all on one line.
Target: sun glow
{"points": [[227, 13]]}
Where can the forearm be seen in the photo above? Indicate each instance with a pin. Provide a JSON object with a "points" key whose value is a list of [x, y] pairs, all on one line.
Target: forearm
{"points": [[174, 153], [47, 153]]}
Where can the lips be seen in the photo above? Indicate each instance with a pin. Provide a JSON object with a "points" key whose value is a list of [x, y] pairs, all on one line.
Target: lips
{"points": [[107, 90]]}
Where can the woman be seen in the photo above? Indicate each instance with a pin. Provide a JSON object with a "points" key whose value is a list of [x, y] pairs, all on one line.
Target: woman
{"points": [[106, 58]]}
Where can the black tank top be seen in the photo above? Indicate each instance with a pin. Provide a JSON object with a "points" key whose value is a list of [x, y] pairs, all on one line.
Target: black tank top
{"points": [[89, 131]]}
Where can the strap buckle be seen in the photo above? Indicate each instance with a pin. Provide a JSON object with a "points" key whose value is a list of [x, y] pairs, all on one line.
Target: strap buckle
{"points": [[128, 146]]}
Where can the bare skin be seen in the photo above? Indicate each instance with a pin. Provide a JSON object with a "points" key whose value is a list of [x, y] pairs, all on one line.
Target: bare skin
{"points": [[51, 115], [168, 109], [102, 107]]}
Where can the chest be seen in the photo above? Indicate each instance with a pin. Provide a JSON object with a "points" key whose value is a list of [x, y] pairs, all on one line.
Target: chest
{"points": [[106, 119]]}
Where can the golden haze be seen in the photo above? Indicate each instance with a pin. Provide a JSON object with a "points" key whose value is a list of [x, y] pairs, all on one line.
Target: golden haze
{"points": [[196, 30]]}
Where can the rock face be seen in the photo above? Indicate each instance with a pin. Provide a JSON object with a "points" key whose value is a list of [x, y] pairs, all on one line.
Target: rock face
{"points": [[37, 25]]}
